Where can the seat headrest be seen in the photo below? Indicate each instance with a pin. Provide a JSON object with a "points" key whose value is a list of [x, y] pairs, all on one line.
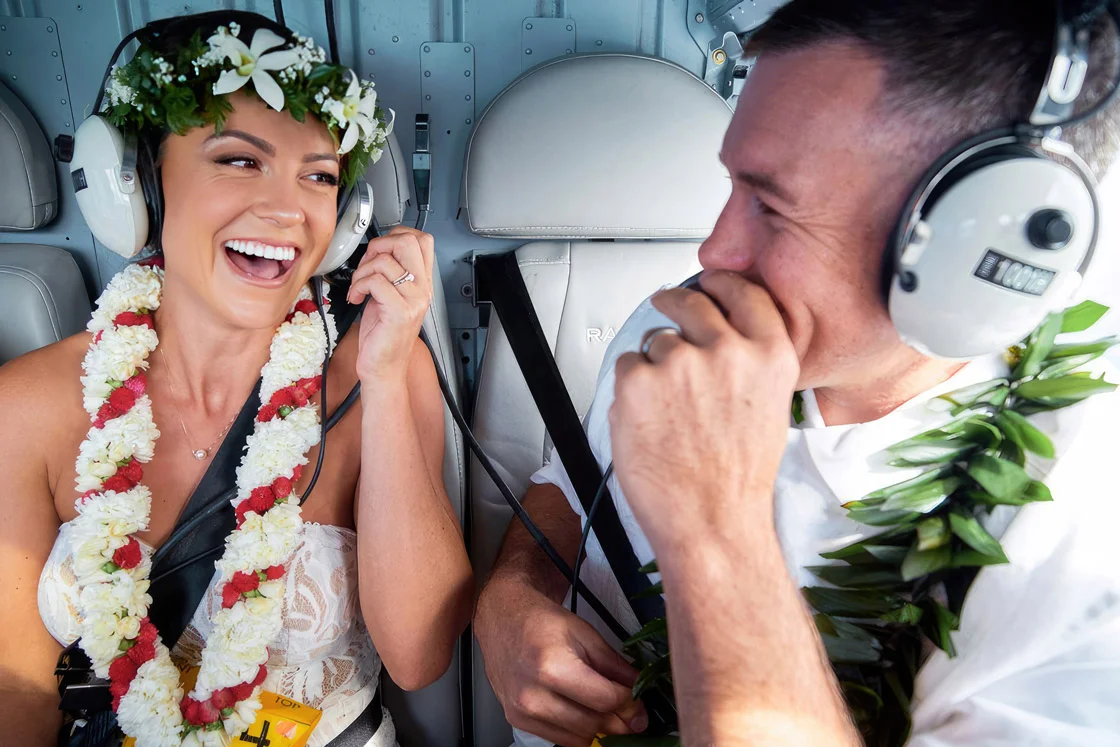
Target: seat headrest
{"points": [[389, 178], [28, 184], [598, 146]]}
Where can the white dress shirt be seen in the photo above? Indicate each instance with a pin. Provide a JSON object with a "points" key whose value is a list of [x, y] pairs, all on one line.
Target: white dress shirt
{"points": [[1038, 658]]}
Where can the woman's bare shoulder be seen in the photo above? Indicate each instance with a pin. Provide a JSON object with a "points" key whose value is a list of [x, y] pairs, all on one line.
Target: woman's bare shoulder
{"points": [[41, 391]]}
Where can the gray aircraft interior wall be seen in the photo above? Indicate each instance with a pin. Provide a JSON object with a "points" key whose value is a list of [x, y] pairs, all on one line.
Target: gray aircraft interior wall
{"points": [[447, 58]]}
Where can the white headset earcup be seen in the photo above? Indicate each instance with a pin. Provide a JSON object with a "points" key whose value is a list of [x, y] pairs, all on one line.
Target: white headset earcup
{"points": [[114, 209], [351, 227], [981, 283]]}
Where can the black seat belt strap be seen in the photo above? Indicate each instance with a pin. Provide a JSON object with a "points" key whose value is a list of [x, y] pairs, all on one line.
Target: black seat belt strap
{"points": [[505, 289]]}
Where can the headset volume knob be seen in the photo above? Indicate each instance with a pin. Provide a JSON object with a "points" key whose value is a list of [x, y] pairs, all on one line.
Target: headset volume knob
{"points": [[1050, 229]]}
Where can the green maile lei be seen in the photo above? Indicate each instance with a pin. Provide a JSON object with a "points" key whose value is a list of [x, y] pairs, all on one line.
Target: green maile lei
{"points": [[151, 94], [883, 601]]}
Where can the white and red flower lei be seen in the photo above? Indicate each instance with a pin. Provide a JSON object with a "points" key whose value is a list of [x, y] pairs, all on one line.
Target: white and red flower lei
{"points": [[112, 567]]}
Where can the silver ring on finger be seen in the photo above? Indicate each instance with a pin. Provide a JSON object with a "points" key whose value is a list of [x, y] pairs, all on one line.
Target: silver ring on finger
{"points": [[652, 334], [408, 277]]}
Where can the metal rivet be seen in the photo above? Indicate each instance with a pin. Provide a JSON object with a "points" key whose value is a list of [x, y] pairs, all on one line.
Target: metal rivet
{"points": [[79, 7], [468, 97], [14, 77], [396, 39], [467, 291], [468, 121], [719, 56], [569, 27], [427, 48], [699, 17], [58, 77], [567, 51], [428, 97], [529, 26], [466, 49], [67, 125], [427, 73], [467, 73], [64, 101], [599, 43], [370, 51], [54, 54], [3, 28], [50, 29], [9, 53]]}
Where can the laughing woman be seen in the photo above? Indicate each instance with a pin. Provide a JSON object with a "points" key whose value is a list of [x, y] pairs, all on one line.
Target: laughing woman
{"points": [[109, 438]]}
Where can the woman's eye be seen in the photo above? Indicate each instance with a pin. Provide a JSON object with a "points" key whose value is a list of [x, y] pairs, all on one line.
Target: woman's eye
{"points": [[323, 177], [241, 162]]}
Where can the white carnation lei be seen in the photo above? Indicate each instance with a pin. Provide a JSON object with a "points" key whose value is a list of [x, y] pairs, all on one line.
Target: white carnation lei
{"points": [[113, 602]]}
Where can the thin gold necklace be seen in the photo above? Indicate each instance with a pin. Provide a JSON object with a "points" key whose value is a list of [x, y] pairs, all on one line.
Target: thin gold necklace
{"points": [[199, 454]]}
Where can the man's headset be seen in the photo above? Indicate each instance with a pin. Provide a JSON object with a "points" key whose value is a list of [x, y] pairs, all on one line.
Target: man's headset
{"points": [[117, 182], [1001, 229]]}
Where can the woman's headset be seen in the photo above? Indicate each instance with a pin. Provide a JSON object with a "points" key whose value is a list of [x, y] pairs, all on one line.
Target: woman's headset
{"points": [[1001, 230], [117, 183]]}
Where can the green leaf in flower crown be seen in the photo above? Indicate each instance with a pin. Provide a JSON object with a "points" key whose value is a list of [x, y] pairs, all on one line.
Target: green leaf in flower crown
{"points": [[1003, 479], [654, 628], [1082, 316], [849, 603], [974, 535], [857, 576], [938, 623], [923, 498], [932, 534], [920, 563], [1064, 390], [1038, 347], [650, 567], [1025, 435], [851, 651]]}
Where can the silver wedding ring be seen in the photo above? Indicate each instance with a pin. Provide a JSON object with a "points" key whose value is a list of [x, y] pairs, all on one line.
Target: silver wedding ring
{"points": [[408, 277], [653, 334]]}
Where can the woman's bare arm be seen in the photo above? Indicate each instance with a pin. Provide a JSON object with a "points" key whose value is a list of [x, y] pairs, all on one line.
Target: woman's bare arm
{"points": [[28, 653], [416, 584]]}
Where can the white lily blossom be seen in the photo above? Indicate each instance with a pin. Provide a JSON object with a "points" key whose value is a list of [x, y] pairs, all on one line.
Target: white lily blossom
{"points": [[253, 63], [356, 112]]}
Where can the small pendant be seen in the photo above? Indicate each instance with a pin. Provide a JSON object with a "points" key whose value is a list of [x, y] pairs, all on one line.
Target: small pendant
{"points": [[200, 454]]}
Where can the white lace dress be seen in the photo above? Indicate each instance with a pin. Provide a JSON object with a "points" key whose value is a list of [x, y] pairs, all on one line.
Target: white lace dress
{"points": [[323, 658]]}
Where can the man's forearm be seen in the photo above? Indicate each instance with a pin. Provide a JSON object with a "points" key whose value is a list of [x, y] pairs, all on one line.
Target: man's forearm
{"points": [[748, 667], [522, 561]]}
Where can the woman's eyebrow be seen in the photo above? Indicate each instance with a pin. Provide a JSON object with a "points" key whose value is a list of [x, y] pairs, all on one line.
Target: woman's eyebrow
{"points": [[320, 157], [253, 140]]}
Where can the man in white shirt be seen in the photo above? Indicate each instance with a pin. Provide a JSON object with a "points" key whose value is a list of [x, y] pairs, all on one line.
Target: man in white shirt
{"points": [[846, 107]]}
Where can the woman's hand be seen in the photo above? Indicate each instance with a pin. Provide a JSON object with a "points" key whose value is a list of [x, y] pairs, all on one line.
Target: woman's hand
{"points": [[392, 319]]}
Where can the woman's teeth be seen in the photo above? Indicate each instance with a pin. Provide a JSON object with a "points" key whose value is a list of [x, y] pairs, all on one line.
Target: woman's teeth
{"points": [[257, 249]]}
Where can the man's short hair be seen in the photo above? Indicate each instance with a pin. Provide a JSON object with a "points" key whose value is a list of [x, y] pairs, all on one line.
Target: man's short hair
{"points": [[956, 68]]}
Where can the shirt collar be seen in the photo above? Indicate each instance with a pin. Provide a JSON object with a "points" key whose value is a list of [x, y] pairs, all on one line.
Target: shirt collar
{"points": [[850, 458]]}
